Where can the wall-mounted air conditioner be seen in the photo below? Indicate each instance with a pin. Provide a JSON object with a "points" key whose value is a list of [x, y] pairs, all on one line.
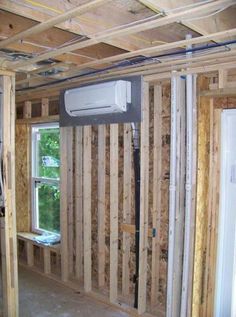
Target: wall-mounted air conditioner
{"points": [[105, 102], [103, 98]]}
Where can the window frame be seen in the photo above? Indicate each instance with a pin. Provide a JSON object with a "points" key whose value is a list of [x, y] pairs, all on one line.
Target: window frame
{"points": [[39, 180]]}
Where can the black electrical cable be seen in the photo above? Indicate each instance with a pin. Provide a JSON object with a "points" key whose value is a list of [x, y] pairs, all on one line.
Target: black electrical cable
{"points": [[136, 155], [138, 60]]}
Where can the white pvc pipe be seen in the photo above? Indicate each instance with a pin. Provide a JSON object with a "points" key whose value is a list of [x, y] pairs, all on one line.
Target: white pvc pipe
{"points": [[188, 192], [172, 196], [1, 152]]}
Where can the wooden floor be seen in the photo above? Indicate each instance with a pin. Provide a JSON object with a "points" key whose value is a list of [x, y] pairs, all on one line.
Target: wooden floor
{"points": [[42, 297]]}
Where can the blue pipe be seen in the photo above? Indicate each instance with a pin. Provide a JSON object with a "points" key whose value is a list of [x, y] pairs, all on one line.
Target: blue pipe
{"points": [[135, 61]]}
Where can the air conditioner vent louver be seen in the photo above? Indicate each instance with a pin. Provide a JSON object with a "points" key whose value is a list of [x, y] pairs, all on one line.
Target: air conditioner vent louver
{"points": [[104, 98]]}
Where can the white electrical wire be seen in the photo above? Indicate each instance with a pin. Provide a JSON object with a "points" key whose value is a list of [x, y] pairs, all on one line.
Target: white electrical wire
{"points": [[189, 6], [208, 15]]}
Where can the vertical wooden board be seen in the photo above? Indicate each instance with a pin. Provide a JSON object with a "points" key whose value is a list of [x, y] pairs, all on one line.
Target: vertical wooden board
{"points": [[30, 253], [87, 165], [64, 204], [9, 255], [180, 197], [113, 212], [222, 78], [101, 203], [194, 194], [70, 197], [215, 204], [144, 200], [127, 200], [27, 109], [201, 204], [213, 208], [46, 260], [157, 178], [45, 107], [3, 267], [79, 202], [209, 209]]}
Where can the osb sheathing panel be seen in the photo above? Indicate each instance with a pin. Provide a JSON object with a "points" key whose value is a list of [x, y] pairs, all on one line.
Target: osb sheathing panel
{"points": [[22, 178], [202, 212]]}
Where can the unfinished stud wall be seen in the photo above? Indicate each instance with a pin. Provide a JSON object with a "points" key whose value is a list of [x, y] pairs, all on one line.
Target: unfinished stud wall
{"points": [[98, 240]]}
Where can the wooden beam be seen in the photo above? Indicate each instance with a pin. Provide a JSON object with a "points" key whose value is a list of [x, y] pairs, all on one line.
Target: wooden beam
{"points": [[127, 201], [87, 170], [213, 209], [123, 31], [101, 203], [29, 253], [70, 198], [54, 118], [129, 228], [64, 204], [4, 72], [114, 205], [45, 107], [222, 78], [196, 70], [144, 200], [9, 243], [215, 161], [157, 180], [202, 193], [46, 260], [27, 109], [79, 202], [52, 22], [225, 92], [194, 196]]}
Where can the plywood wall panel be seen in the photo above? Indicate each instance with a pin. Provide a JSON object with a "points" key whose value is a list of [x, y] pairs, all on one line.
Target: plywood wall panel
{"points": [[23, 177]]}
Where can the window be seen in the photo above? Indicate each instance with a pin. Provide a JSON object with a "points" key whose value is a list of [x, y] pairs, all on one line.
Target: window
{"points": [[45, 178]]}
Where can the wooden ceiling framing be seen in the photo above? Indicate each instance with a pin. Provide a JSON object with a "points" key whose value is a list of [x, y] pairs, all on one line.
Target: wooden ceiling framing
{"points": [[45, 43]]}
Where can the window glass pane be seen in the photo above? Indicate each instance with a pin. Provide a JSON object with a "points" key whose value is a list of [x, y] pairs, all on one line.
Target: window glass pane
{"points": [[48, 153], [48, 207]]}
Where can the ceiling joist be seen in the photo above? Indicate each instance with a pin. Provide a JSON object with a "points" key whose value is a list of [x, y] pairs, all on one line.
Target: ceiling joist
{"points": [[203, 23], [122, 31], [44, 26]]}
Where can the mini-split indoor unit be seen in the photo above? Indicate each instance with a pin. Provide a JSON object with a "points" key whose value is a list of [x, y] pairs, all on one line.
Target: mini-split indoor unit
{"points": [[114, 101], [109, 97]]}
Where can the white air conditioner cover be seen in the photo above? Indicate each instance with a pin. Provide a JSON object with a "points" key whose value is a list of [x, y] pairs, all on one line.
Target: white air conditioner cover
{"points": [[104, 98]]}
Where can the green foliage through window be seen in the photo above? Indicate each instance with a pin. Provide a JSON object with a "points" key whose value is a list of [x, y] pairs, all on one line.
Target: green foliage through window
{"points": [[47, 172], [49, 146], [49, 207]]}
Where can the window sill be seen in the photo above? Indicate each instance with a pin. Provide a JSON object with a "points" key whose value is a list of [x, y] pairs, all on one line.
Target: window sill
{"points": [[29, 236]]}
